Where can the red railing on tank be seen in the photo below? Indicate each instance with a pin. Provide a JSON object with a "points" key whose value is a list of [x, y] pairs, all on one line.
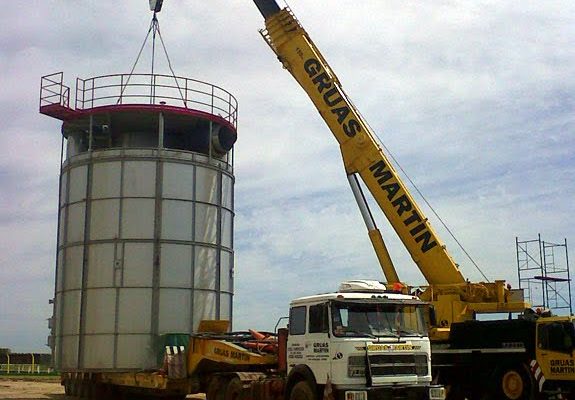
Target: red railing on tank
{"points": [[124, 89], [136, 89], [53, 91]]}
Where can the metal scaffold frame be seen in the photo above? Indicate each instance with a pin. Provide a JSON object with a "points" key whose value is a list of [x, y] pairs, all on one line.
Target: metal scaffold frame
{"points": [[543, 271]]}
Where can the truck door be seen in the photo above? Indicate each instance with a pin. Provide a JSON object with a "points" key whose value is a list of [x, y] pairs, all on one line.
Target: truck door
{"points": [[297, 335], [555, 349], [317, 343]]}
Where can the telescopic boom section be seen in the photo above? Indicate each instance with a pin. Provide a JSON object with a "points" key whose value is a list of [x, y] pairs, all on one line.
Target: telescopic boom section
{"points": [[361, 152], [267, 7]]}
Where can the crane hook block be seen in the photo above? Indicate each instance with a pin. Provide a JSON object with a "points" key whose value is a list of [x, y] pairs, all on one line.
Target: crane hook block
{"points": [[156, 5]]}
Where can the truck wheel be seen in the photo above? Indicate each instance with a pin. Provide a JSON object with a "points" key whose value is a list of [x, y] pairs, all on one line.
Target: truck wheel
{"points": [[514, 384], [233, 389], [302, 391]]}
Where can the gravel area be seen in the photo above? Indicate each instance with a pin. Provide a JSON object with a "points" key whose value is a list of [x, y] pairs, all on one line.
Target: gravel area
{"points": [[40, 388]]}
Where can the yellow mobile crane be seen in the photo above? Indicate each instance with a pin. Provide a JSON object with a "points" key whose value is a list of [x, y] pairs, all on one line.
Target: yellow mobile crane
{"points": [[517, 359]]}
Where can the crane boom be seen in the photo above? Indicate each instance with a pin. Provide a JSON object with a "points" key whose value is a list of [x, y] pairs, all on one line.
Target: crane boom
{"points": [[361, 153], [455, 299]]}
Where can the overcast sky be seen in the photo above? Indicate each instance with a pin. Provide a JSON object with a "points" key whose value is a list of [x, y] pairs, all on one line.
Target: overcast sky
{"points": [[476, 99]]}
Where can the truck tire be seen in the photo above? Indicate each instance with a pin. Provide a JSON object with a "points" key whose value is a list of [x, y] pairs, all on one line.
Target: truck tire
{"points": [[514, 383], [302, 391]]}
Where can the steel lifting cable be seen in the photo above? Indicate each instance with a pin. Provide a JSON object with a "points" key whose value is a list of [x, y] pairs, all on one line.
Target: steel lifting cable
{"points": [[421, 194], [155, 28], [136, 63], [170, 66], [155, 24]]}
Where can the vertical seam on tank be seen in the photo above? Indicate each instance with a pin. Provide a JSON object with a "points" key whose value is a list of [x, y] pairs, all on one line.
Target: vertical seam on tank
{"points": [[63, 266], [219, 231], [194, 247], [118, 285], [232, 253], [56, 273], [85, 260], [157, 245]]}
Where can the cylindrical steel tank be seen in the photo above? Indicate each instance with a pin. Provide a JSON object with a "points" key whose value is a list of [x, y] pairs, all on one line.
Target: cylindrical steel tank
{"points": [[145, 243]]}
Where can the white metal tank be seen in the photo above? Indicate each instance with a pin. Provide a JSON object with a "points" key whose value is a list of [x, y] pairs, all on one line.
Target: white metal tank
{"points": [[145, 239]]}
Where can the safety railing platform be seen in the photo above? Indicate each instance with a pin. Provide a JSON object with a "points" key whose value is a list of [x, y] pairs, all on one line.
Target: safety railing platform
{"points": [[121, 90]]}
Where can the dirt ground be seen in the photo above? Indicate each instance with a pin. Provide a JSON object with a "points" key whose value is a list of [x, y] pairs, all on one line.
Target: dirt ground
{"points": [[40, 388], [32, 388]]}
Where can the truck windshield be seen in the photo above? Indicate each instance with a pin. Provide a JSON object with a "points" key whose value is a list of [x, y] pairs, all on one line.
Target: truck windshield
{"points": [[356, 319]]}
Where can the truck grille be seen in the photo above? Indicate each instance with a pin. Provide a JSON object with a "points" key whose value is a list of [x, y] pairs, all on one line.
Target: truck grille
{"points": [[398, 364]]}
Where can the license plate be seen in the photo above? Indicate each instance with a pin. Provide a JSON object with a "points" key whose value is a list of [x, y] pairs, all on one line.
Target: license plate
{"points": [[356, 395], [437, 393]]}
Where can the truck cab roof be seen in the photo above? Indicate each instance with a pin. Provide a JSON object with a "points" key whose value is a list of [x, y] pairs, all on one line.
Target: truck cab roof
{"points": [[362, 291]]}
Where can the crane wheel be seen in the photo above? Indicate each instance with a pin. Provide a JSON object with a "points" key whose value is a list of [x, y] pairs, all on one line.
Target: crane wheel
{"points": [[302, 391], [514, 383]]}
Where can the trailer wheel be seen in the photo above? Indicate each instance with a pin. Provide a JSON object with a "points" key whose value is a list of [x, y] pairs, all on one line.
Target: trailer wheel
{"points": [[74, 387], [514, 383], [216, 388], [99, 391], [302, 391], [85, 389], [67, 387], [233, 389]]}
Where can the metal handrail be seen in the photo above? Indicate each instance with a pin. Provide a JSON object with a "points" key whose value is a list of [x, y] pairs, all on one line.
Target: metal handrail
{"points": [[156, 89], [53, 91]]}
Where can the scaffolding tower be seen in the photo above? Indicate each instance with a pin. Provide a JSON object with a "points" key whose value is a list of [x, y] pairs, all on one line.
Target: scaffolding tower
{"points": [[543, 271]]}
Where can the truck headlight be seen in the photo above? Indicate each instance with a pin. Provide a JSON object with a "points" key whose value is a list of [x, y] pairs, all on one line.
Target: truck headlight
{"points": [[355, 395], [437, 393]]}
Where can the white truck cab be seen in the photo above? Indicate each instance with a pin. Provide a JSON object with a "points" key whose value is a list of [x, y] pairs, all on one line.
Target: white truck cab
{"points": [[361, 343]]}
